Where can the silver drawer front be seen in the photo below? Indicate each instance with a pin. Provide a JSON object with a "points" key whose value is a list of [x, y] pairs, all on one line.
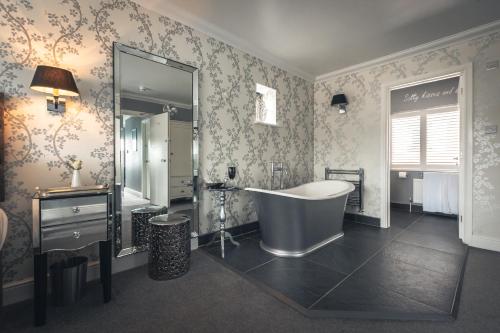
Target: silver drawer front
{"points": [[73, 236], [62, 211]]}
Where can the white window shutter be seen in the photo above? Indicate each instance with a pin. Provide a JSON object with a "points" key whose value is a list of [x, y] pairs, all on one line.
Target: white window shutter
{"points": [[405, 140], [443, 138]]}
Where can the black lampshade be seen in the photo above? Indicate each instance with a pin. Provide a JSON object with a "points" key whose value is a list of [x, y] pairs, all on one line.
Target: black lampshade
{"points": [[339, 99], [47, 79]]}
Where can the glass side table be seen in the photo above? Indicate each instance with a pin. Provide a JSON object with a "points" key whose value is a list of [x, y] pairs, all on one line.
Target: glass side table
{"points": [[221, 192]]}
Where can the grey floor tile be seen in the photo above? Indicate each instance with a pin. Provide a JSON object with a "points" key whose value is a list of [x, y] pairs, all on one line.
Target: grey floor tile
{"points": [[356, 241], [244, 257], [403, 219], [436, 241], [298, 279], [373, 232], [372, 236], [340, 258], [425, 286], [359, 295], [413, 268], [437, 261], [444, 226]]}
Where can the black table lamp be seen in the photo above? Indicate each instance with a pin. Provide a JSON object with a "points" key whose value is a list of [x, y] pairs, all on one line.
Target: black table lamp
{"points": [[57, 82]]}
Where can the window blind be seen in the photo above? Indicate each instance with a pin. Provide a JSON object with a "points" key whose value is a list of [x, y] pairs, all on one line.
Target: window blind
{"points": [[405, 141], [443, 138]]}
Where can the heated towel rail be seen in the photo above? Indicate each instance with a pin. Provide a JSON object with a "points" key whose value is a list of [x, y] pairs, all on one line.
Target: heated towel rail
{"points": [[357, 178]]}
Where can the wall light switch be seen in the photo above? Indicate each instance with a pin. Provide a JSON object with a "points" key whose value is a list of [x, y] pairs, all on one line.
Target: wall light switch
{"points": [[491, 129]]}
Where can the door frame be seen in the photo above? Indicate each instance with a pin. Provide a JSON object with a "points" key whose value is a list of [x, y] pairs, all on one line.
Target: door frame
{"points": [[145, 163], [466, 141]]}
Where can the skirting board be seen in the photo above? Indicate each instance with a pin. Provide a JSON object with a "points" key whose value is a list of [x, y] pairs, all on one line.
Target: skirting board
{"points": [[485, 243], [23, 290], [363, 219], [415, 208], [234, 231]]}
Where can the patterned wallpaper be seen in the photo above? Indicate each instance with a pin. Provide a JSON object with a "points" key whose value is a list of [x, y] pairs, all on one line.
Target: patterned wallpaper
{"points": [[353, 140], [78, 35]]}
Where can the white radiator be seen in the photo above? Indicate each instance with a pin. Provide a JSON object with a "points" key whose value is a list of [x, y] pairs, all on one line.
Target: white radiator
{"points": [[417, 191]]}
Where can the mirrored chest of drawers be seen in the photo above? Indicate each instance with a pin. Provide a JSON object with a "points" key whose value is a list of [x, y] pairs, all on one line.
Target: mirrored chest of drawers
{"points": [[69, 219]]}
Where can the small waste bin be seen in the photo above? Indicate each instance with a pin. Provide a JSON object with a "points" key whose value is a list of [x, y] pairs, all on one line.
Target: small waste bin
{"points": [[69, 279]]}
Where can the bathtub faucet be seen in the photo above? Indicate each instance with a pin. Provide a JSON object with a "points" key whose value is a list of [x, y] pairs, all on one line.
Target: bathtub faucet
{"points": [[277, 167]]}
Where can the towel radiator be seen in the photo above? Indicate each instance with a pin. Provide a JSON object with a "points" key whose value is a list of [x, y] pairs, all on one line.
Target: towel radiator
{"points": [[355, 198]]}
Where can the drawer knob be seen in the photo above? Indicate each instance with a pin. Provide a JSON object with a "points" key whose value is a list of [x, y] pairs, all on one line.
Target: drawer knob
{"points": [[76, 210], [76, 234]]}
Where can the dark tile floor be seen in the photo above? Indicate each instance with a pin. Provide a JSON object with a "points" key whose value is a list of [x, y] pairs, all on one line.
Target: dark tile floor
{"points": [[412, 270]]}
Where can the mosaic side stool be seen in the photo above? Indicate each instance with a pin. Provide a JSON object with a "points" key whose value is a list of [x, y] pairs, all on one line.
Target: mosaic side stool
{"points": [[169, 246], [140, 223]]}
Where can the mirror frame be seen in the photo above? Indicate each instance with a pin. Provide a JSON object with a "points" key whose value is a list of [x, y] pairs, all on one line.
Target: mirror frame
{"points": [[118, 157]]}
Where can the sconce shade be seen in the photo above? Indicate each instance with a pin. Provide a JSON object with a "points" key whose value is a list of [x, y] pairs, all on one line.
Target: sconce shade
{"points": [[55, 81], [339, 99]]}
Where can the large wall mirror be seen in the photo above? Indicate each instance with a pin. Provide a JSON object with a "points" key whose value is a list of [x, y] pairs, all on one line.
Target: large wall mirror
{"points": [[156, 144]]}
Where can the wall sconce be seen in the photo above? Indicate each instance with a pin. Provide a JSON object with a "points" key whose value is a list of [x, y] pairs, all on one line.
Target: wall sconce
{"points": [[55, 81], [340, 101]]}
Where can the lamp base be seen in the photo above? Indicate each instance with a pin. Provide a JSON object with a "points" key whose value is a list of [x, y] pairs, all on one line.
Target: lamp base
{"points": [[59, 107]]}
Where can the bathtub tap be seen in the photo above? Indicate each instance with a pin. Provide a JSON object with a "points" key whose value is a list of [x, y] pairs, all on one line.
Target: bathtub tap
{"points": [[277, 167]]}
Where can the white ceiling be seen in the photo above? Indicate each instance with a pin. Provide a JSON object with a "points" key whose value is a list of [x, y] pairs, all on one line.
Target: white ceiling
{"points": [[315, 37], [162, 82]]}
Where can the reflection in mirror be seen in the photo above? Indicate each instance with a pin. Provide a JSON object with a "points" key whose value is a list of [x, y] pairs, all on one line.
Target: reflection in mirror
{"points": [[155, 118]]}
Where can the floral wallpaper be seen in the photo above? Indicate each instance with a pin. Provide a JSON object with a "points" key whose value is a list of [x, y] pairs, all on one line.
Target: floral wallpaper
{"points": [[352, 140], [78, 35]]}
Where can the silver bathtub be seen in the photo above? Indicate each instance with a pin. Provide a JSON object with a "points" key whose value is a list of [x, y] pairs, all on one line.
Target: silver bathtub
{"points": [[299, 220]]}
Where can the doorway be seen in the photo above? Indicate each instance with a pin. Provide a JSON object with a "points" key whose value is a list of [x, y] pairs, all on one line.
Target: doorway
{"points": [[426, 147]]}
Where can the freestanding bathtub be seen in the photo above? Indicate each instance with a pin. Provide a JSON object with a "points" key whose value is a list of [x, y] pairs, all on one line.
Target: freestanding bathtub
{"points": [[299, 220]]}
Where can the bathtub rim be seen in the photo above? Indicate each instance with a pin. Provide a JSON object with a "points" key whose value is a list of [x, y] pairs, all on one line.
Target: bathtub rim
{"points": [[349, 189], [299, 254]]}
